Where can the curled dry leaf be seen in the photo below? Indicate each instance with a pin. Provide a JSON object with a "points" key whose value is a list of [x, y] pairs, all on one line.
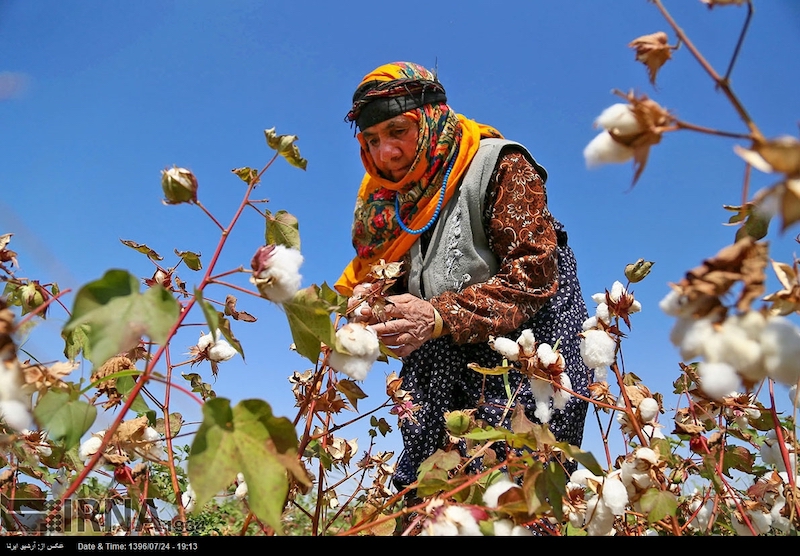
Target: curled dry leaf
{"points": [[653, 51], [744, 261], [787, 300]]}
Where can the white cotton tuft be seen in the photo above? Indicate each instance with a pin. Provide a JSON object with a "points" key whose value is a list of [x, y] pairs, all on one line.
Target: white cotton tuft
{"points": [[189, 499], [527, 342], [218, 348], [241, 491], [701, 520], [362, 350], [281, 279], [506, 528], [581, 476], [718, 380], [603, 149], [597, 348], [615, 495], [542, 392], [696, 334], [780, 344], [619, 118], [495, 490], [561, 397], [546, 354], [16, 414], [794, 398], [90, 446], [599, 520], [648, 409], [506, 347]]}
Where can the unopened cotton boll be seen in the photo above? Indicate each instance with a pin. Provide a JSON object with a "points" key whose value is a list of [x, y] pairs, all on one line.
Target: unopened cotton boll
{"points": [[718, 380], [597, 348], [780, 343], [362, 346]]}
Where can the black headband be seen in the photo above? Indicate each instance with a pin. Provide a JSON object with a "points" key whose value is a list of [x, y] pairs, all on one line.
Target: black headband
{"points": [[377, 101]]}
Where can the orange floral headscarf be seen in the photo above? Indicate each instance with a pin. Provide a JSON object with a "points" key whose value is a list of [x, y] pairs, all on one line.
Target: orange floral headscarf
{"points": [[446, 140]]}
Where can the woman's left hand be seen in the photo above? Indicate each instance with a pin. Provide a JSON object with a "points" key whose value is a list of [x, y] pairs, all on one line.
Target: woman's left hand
{"points": [[410, 323]]}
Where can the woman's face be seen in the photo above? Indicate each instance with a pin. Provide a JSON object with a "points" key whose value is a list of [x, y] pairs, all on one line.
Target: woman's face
{"points": [[392, 144]]}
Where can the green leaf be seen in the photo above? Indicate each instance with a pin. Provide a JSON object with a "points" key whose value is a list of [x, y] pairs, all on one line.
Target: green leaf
{"points": [[75, 341], [310, 323], [64, 418], [190, 259], [282, 229], [246, 439], [658, 504], [124, 386], [118, 315]]}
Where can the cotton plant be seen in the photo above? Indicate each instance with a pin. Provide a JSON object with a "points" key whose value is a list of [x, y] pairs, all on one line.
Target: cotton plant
{"points": [[602, 500], [357, 349], [276, 272], [544, 366]]}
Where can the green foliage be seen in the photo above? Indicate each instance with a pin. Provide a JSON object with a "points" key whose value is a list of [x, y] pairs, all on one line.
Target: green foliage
{"points": [[118, 315]]}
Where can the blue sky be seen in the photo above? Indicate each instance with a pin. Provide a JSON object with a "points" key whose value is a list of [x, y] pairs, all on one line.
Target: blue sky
{"points": [[113, 92]]}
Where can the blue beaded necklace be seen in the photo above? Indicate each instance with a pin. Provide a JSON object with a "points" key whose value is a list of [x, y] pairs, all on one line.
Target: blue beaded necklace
{"points": [[438, 205]]}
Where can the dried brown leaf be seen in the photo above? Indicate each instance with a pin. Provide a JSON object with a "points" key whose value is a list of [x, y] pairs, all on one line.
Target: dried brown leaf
{"points": [[653, 51]]}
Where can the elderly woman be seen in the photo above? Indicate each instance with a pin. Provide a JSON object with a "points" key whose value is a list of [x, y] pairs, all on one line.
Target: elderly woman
{"points": [[466, 212]]}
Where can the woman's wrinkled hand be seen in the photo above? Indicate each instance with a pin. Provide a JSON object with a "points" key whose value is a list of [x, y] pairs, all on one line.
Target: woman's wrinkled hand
{"points": [[408, 323]]}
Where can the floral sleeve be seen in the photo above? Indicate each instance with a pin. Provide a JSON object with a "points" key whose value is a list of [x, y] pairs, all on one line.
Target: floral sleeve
{"points": [[522, 235]]}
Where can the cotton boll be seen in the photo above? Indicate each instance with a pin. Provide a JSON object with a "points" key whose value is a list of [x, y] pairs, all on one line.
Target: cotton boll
{"points": [[589, 323], [619, 118], [780, 343], [359, 340], [16, 414], [90, 446], [599, 520], [356, 368], [648, 409], [241, 491], [506, 528], [582, 476], [615, 495], [651, 432], [700, 521], [603, 149], [698, 333], [221, 351], [794, 398], [732, 344], [542, 392], [506, 347], [718, 380], [597, 348], [276, 272], [189, 499], [561, 397], [527, 342], [495, 490]]}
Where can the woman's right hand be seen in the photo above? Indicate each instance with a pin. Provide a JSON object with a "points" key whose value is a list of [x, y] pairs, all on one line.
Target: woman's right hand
{"points": [[358, 310]]}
